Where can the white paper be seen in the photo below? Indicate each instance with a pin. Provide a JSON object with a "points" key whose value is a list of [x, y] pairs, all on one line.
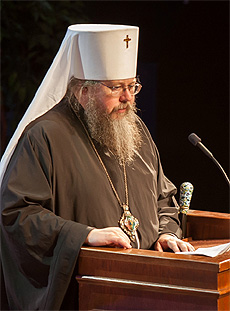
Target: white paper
{"points": [[209, 251]]}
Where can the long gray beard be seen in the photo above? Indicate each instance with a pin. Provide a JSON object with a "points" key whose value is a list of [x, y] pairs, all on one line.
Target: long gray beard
{"points": [[119, 136]]}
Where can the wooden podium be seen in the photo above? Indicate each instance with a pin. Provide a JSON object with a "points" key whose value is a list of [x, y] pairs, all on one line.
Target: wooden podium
{"points": [[117, 279]]}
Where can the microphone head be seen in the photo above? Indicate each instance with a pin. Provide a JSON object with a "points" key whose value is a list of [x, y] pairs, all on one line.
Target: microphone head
{"points": [[194, 139], [186, 190]]}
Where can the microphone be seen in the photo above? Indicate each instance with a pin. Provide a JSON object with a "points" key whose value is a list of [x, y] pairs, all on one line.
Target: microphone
{"points": [[196, 141], [186, 191]]}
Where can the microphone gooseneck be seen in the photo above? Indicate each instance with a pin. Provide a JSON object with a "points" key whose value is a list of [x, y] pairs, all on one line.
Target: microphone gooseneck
{"points": [[196, 141]]}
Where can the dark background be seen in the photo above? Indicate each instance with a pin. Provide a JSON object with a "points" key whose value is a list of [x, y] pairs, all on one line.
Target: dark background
{"points": [[183, 64]]}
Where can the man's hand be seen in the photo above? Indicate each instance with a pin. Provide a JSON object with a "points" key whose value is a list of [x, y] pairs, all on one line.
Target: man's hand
{"points": [[112, 236], [167, 241]]}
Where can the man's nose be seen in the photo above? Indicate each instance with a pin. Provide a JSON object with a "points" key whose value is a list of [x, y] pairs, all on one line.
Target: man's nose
{"points": [[126, 95]]}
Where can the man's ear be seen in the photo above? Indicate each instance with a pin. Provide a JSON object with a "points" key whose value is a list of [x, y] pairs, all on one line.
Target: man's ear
{"points": [[84, 90], [82, 96]]}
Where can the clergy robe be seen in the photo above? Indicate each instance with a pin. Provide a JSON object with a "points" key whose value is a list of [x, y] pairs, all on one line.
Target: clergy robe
{"points": [[55, 190]]}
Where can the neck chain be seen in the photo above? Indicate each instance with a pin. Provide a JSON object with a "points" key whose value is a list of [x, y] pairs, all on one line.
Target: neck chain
{"points": [[127, 222]]}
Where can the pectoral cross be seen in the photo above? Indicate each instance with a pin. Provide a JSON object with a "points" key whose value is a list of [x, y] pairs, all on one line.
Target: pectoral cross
{"points": [[127, 39]]}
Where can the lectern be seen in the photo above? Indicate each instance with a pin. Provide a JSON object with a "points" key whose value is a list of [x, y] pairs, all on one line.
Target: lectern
{"points": [[117, 279]]}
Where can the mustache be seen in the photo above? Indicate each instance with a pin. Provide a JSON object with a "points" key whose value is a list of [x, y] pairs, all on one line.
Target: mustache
{"points": [[126, 105]]}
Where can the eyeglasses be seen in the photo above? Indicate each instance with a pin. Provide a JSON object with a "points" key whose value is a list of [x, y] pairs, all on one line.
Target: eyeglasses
{"points": [[117, 90]]}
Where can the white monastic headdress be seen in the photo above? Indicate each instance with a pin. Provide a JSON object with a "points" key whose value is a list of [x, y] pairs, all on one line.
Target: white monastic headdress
{"points": [[90, 52]]}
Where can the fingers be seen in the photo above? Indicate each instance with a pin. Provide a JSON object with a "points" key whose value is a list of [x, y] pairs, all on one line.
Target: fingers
{"points": [[108, 236], [186, 247], [167, 241], [158, 247], [172, 244], [180, 246]]}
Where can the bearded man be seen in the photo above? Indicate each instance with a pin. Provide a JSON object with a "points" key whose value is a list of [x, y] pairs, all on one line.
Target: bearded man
{"points": [[84, 172]]}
